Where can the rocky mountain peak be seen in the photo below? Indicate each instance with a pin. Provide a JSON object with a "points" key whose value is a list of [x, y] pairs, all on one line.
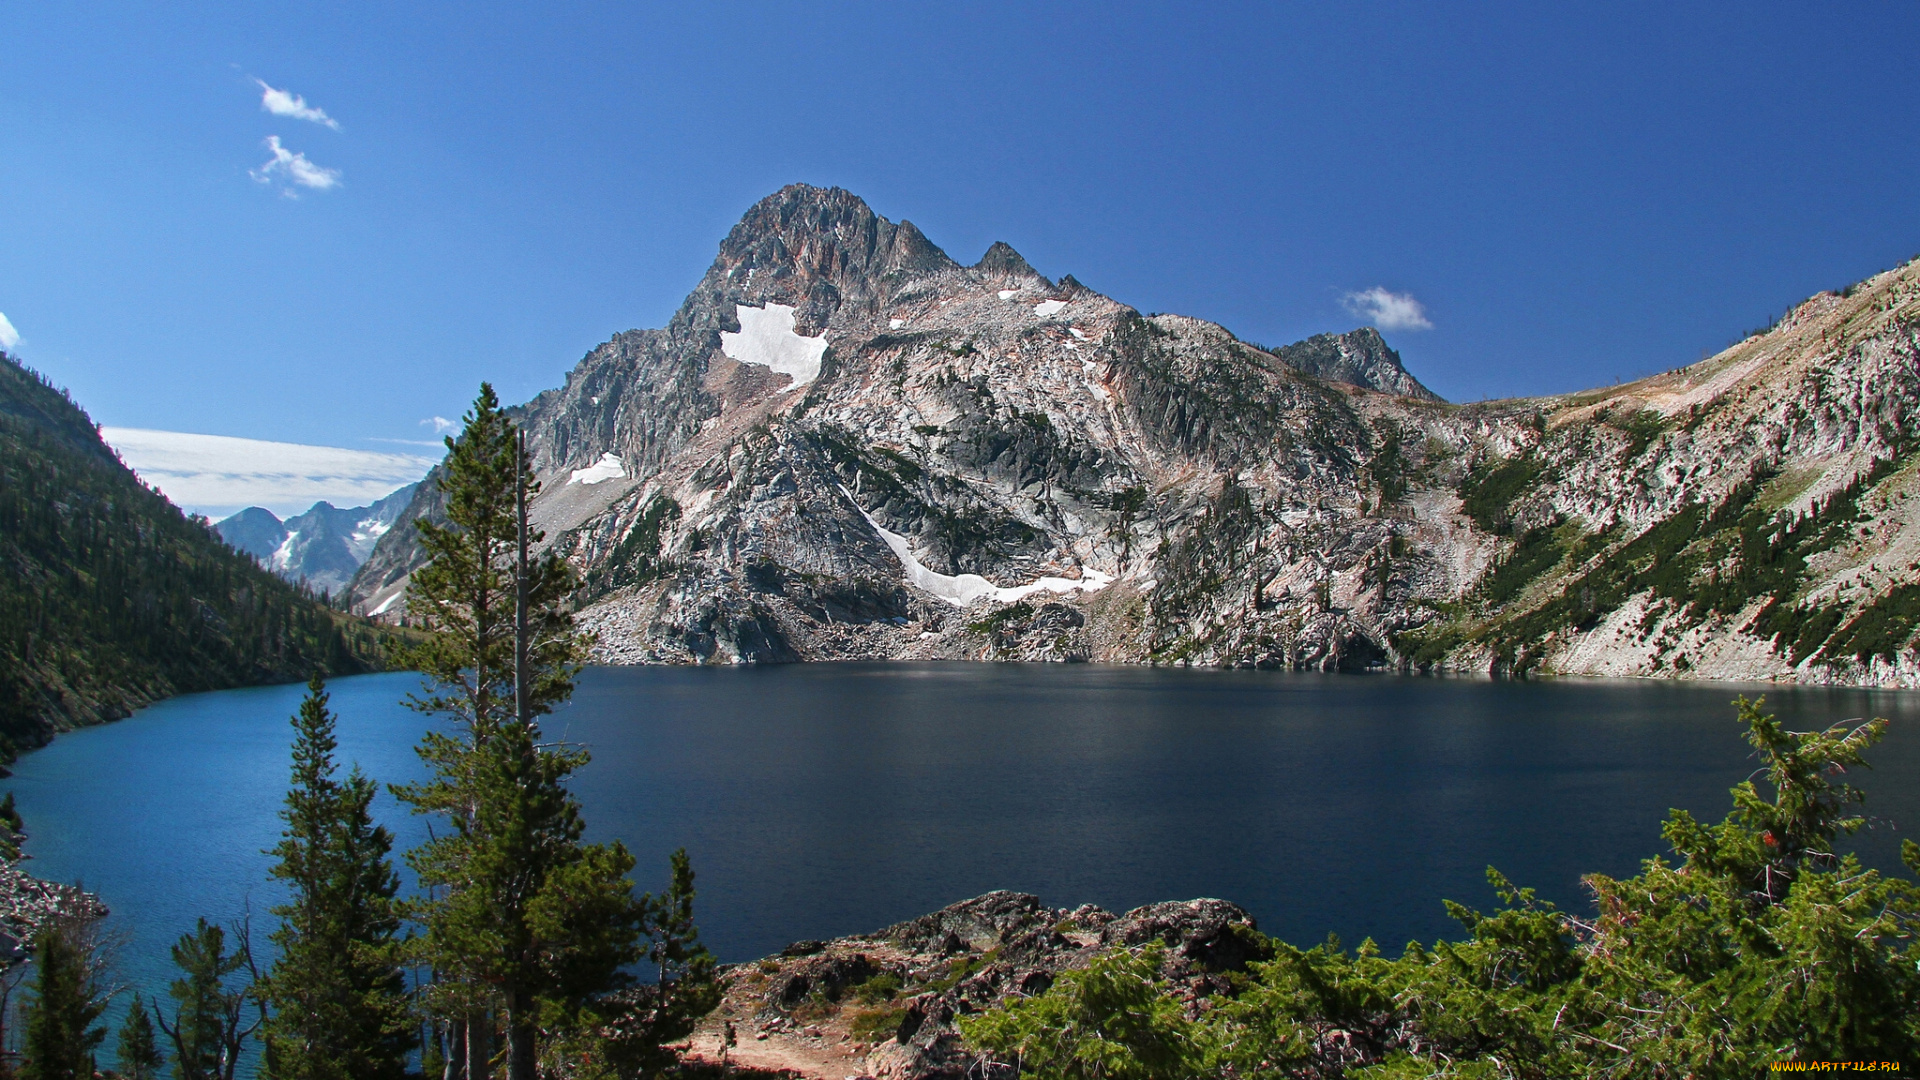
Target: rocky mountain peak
{"points": [[846, 445], [1360, 357], [1002, 262], [814, 249]]}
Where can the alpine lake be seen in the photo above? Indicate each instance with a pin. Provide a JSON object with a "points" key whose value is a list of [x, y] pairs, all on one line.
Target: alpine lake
{"points": [[830, 799]]}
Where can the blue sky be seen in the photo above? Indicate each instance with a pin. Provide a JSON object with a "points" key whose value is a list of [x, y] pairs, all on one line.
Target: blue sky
{"points": [[1573, 195]]}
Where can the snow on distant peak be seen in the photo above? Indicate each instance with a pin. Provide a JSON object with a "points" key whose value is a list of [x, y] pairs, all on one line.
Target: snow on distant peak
{"points": [[895, 324], [1008, 294], [607, 468], [1047, 309], [766, 338], [964, 589]]}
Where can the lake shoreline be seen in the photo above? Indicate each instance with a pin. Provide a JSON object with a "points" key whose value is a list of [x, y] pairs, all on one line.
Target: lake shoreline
{"points": [[29, 903]]}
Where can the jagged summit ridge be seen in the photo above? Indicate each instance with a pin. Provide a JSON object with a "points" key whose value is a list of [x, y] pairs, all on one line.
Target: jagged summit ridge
{"points": [[321, 548]]}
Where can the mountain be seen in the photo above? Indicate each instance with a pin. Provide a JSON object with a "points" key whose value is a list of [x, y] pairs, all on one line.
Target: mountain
{"points": [[1359, 357], [112, 598], [255, 531], [321, 548], [845, 444]]}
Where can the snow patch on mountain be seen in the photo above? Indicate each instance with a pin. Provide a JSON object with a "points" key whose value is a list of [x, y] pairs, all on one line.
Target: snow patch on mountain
{"points": [[1047, 309], [607, 468], [963, 589], [322, 547], [766, 338]]}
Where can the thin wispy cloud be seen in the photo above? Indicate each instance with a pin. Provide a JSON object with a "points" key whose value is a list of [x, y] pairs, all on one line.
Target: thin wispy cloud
{"points": [[9, 337], [1388, 310], [293, 167], [440, 424], [288, 103], [217, 474], [404, 442]]}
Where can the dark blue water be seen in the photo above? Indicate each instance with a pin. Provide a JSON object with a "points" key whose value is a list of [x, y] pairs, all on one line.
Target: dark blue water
{"points": [[830, 799]]}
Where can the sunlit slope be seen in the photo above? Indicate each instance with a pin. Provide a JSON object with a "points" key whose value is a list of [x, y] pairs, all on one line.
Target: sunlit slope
{"points": [[1752, 515], [110, 597], [841, 422]]}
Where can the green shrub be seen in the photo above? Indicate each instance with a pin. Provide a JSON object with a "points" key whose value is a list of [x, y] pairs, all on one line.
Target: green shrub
{"points": [[882, 987], [1758, 944], [873, 1025]]}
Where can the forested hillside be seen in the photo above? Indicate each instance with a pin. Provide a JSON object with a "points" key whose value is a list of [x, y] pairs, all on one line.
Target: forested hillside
{"points": [[111, 598]]}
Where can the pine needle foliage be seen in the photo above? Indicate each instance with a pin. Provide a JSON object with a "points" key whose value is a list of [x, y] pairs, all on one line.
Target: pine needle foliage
{"points": [[526, 927], [337, 989], [138, 1049], [1113, 1020], [66, 1000], [1758, 944], [210, 1029]]}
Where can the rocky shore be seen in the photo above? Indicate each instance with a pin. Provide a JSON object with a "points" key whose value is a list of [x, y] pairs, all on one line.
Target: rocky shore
{"points": [[28, 903], [883, 1005]]}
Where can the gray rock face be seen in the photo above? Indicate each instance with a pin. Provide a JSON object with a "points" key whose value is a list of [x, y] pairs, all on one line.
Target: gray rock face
{"points": [[1360, 357], [323, 547], [255, 531], [847, 445]]}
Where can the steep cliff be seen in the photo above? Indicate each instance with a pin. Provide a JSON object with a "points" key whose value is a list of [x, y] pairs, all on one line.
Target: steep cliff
{"points": [[845, 444]]}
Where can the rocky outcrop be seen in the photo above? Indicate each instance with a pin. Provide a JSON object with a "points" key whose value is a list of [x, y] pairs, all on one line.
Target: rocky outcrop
{"points": [[28, 903], [884, 1005], [847, 445]]}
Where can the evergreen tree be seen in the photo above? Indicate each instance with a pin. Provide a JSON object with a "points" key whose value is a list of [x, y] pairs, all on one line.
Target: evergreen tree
{"points": [[337, 989], [209, 1029], [629, 1029], [60, 1036], [521, 917], [140, 1057]]}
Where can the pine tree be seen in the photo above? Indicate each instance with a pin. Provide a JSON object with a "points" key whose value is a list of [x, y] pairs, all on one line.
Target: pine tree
{"points": [[66, 1001], [209, 1028], [630, 1029], [140, 1057], [337, 990], [520, 915]]}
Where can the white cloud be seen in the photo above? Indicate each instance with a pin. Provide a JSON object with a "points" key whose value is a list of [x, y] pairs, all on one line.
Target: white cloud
{"points": [[296, 168], [288, 103], [1388, 310], [217, 475], [440, 424], [9, 337]]}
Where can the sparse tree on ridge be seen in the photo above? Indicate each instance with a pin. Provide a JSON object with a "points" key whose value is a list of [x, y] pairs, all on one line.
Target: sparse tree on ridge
{"points": [[525, 924], [337, 990]]}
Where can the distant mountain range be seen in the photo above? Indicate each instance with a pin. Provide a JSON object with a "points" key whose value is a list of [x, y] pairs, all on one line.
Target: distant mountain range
{"points": [[111, 598], [321, 548], [845, 445]]}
